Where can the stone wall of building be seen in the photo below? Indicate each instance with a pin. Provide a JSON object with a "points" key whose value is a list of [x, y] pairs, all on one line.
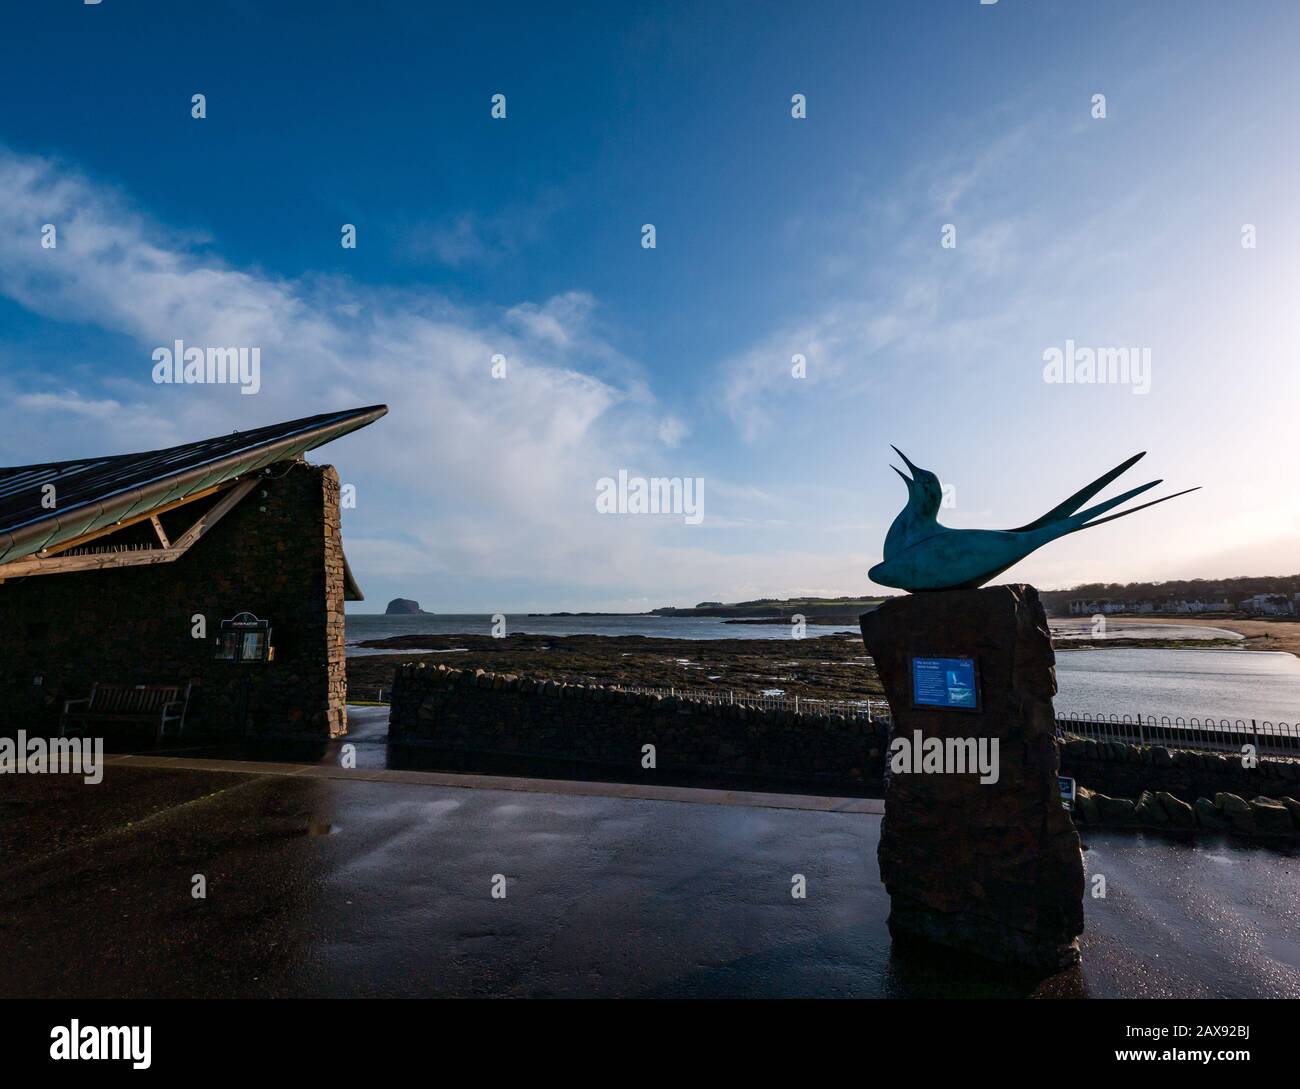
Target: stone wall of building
{"points": [[509, 715], [277, 554], [335, 717]]}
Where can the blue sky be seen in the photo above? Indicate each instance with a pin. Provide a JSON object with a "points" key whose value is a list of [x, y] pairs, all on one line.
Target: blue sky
{"points": [[774, 236]]}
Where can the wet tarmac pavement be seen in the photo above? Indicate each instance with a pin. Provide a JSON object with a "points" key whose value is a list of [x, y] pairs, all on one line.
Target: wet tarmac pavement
{"points": [[344, 887], [1192, 917]]}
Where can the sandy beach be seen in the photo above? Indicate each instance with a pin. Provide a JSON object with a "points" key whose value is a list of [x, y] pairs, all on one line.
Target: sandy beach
{"points": [[1283, 635]]}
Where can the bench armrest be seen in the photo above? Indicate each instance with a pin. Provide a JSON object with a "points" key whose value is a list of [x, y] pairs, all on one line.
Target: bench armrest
{"points": [[68, 705]]}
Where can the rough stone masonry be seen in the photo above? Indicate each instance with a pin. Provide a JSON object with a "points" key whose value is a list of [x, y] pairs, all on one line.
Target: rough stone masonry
{"points": [[278, 554], [504, 714], [990, 868]]}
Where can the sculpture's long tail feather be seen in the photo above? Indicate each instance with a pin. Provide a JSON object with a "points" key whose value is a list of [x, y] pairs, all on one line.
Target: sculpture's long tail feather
{"points": [[1134, 510], [1064, 510], [1110, 504]]}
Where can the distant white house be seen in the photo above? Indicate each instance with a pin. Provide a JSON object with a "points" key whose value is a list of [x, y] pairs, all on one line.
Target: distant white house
{"points": [[1258, 605], [1108, 607], [1184, 606], [1269, 605]]}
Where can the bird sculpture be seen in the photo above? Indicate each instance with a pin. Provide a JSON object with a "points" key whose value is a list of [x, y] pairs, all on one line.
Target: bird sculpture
{"points": [[921, 555]]}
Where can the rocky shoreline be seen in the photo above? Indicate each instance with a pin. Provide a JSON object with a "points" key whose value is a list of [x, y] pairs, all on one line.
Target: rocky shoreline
{"points": [[834, 667], [826, 667]]}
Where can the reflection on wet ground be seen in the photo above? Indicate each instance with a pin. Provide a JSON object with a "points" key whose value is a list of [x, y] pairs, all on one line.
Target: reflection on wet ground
{"points": [[1192, 916], [346, 887]]}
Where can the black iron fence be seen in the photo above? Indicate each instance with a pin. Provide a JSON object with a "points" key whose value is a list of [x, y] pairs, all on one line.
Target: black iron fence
{"points": [[1178, 732], [870, 709], [1206, 734]]}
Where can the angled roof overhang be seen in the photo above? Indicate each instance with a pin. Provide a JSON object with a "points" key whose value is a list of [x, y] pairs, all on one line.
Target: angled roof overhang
{"points": [[351, 589], [91, 494]]}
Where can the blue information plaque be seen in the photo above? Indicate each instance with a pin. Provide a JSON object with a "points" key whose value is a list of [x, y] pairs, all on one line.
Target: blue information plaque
{"points": [[1067, 791], [945, 682]]}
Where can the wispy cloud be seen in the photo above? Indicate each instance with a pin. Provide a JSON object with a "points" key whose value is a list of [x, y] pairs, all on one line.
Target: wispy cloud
{"points": [[474, 477], [472, 238], [69, 402]]}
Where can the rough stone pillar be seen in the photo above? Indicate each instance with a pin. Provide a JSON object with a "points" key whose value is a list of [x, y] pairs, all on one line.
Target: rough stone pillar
{"points": [[335, 652], [994, 869]]}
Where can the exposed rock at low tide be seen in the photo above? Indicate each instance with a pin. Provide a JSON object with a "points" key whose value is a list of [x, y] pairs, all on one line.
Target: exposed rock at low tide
{"points": [[822, 667], [404, 606]]}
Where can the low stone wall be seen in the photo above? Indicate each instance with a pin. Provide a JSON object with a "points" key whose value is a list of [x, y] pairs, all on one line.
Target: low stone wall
{"points": [[1123, 770], [1271, 818], [504, 714]]}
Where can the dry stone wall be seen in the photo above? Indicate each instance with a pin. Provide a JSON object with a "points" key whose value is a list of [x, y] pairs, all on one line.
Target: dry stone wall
{"points": [[1116, 768], [506, 714]]}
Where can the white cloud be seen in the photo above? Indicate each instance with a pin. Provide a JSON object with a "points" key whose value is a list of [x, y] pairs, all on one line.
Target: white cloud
{"points": [[457, 243], [485, 481], [461, 460], [66, 401], [468, 238], [672, 430]]}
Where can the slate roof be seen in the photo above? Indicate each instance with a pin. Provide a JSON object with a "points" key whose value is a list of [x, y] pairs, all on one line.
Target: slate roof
{"points": [[95, 492]]}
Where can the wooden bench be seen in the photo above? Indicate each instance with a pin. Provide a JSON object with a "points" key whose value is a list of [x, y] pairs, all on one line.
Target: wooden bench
{"points": [[128, 704]]}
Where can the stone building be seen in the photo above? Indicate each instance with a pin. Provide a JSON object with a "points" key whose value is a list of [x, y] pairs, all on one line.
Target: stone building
{"points": [[217, 564]]}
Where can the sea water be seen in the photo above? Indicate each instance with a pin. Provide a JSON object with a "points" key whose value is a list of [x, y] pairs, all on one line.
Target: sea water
{"points": [[1206, 682]]}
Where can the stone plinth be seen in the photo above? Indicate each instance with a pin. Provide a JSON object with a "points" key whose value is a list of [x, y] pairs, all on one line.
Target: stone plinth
{"points": [[993, 869]]}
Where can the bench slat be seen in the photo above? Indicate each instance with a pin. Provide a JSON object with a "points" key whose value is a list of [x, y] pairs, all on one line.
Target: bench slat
{"points": [[109, 698], [123, 703]]}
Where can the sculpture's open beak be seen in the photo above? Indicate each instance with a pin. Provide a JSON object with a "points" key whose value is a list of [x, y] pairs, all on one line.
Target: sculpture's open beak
{"points": [[906, 479], [902, 455]]}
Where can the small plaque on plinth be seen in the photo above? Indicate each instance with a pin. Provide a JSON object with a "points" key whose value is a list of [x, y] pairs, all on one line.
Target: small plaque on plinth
{"points": [[946, 682]]}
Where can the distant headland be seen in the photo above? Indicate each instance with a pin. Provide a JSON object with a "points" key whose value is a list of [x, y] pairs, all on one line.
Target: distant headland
{"points": [[404, 606], [815, 610], [1265, 597]]}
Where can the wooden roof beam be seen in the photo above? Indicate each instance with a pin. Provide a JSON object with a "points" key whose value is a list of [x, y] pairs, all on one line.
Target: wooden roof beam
{"points": [[58, 565]]}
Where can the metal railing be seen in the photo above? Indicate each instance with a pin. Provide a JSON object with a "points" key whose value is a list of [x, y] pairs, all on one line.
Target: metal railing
{"points": [[865, 708], [1177, 732], [1206, 734]]}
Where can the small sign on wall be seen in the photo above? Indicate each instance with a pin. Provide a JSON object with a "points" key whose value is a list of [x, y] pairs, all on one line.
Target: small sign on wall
{"points": [[951, 683], [245, 638]]}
